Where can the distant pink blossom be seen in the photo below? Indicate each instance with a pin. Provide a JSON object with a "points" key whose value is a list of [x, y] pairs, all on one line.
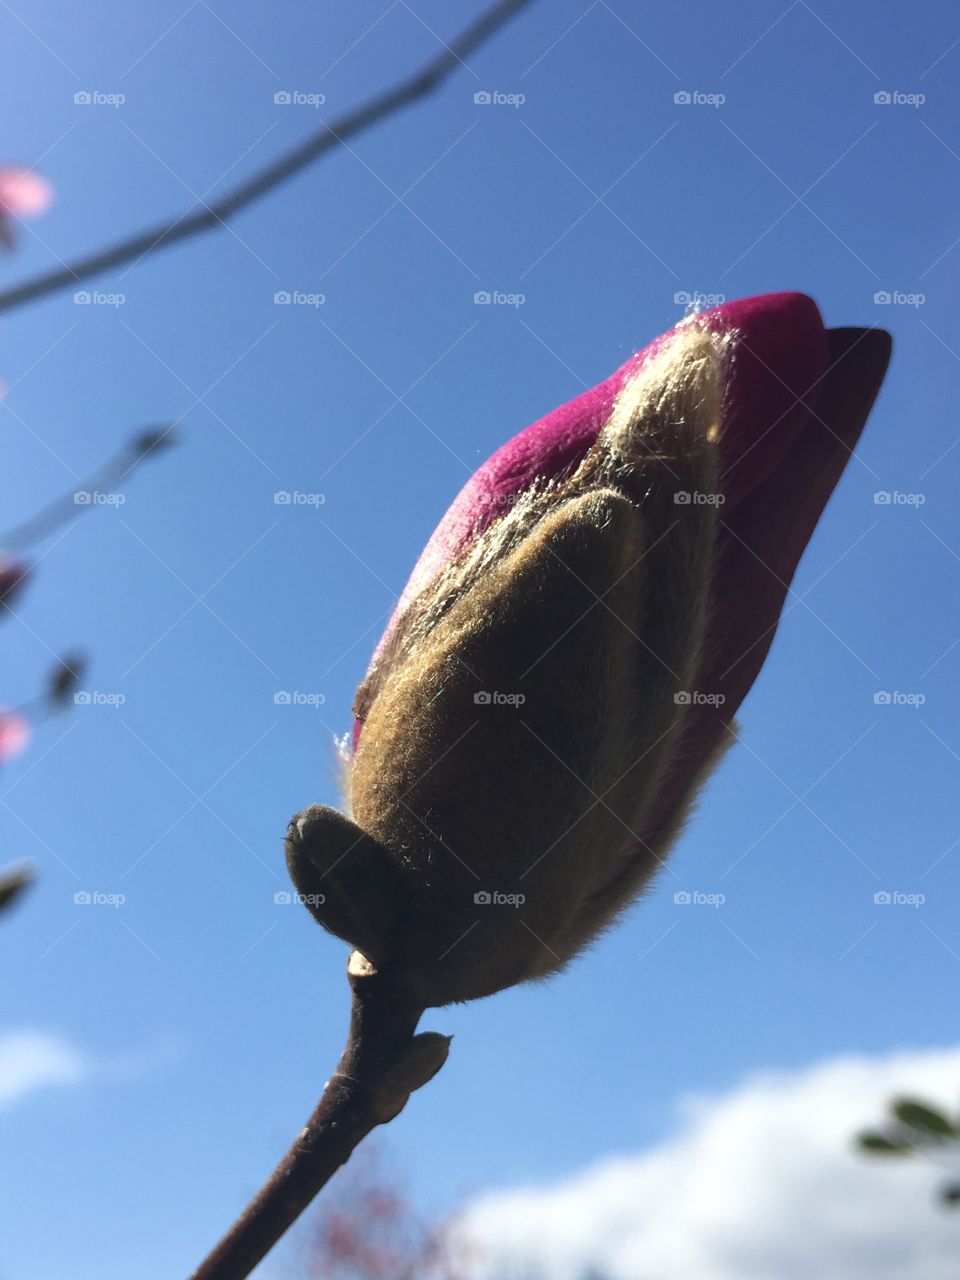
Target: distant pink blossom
{"points": [[23, 192], [14, 735]]}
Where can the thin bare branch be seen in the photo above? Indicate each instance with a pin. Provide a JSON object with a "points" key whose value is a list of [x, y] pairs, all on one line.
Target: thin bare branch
{"points": [[147, 443], [325, 139]]}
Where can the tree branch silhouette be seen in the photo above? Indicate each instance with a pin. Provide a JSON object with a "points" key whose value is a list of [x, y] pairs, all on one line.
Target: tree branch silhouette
{"points": [[147, 443], [326, 139]]}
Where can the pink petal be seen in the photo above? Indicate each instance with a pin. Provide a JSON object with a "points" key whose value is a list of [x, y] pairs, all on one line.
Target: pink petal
{"points": [[778, 378], [23, 192], [781, 356], [762, 538], [14, 735]]}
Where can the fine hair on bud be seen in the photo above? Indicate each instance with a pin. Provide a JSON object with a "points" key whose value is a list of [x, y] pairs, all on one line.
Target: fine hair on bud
{"points": [[491, 838]]}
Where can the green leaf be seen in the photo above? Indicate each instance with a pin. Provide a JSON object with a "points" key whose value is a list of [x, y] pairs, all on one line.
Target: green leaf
{"points": [[878, 1144], [924, 1118]]}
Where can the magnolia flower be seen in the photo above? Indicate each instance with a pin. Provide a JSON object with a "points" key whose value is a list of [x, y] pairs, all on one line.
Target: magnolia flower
{"points": [[564, 666], [14, 735], [23, 194]]}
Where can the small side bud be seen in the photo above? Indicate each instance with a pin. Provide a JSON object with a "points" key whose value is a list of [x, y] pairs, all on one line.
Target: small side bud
{"points": [[345, 878], [418, 1063]]}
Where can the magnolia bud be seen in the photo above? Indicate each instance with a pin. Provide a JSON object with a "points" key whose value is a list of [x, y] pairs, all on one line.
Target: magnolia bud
{"points": [[537, 722], [13, 575]]}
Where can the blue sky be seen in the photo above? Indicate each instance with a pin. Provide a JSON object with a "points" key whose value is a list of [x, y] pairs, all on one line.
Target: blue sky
{"points": [[204, 1016]]}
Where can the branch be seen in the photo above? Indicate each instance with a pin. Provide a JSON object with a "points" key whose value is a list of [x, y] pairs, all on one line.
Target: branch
{"points": [[330, 136], [382, 1064], [15, 880], [145, 444], [61, 683]]}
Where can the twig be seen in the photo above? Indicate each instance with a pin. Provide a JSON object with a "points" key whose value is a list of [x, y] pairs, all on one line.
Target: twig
{"points": [[61, 683], [325, 139], [143, 445], [15, 880], [382, 1064]]}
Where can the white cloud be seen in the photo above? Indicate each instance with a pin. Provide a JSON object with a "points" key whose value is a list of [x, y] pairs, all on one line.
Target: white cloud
{"points": [[31, 1060], [760, 1183]]}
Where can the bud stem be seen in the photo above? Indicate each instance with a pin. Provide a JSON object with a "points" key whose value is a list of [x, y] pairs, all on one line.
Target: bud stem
{"points": [[359, 1095]]}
